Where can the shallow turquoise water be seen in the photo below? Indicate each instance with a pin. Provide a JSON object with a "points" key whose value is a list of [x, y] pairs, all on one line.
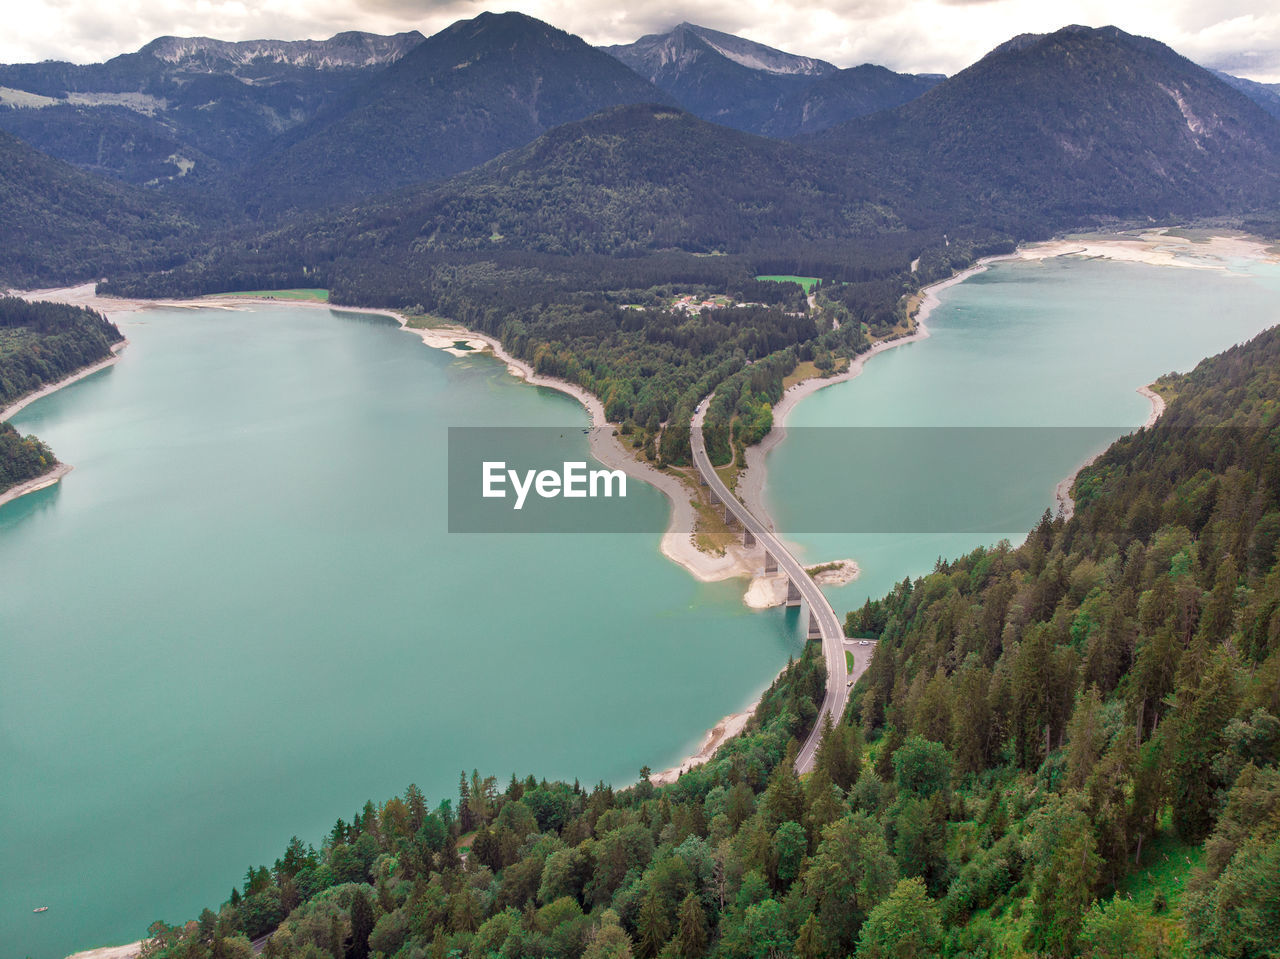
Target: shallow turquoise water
{"points": [[1057, 343], [241, 616]]}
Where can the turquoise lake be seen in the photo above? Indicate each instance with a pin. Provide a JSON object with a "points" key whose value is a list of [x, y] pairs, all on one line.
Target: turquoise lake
{"points": [[242, 615], [1061, 343]]}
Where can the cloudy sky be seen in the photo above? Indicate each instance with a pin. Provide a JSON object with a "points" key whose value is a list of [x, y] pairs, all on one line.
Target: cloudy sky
{"points": [[943, 36]]}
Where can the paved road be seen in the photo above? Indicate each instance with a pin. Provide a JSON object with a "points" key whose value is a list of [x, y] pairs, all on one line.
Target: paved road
{"points": [[832, 632]]}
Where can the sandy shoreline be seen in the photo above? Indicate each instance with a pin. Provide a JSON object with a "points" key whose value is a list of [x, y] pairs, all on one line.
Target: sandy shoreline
{"points": [[677, 541], [129, 950], [732, 725], [43, 481], [24, 401], [1062, 498]]}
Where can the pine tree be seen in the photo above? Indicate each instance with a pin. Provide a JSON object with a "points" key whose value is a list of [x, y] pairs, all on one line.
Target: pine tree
{"points": [[692, 935], [809, 943], [784, 799], [464, 804], [1199, 719], [652, 928], [361, 926], [823, 807]]}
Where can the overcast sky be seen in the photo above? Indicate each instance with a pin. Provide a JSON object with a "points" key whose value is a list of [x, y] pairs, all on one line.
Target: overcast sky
{"points": [[939, 36]]}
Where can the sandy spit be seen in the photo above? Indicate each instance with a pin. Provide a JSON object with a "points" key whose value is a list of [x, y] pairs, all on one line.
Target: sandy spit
{"points": [[677, 541], [44, 481]]}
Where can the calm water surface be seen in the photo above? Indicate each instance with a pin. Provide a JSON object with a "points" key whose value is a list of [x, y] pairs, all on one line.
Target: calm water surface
{"points": [[242, 615], [1056, 343]]}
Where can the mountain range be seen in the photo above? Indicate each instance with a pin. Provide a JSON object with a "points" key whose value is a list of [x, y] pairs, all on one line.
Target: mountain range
{"points": [[1075, 125], [184, 106], [752, 87], [503, 133]]}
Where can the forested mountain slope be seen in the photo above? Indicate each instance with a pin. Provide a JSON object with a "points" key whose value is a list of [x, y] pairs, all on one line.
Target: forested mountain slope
{"points": [[463, 96], [1081, 124], [837, 97], [61, 224], [719, 77], [755, 88]]}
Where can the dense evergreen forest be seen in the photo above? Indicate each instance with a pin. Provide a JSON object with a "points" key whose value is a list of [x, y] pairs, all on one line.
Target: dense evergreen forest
{"points": [[41, 343], [1065, 748]]}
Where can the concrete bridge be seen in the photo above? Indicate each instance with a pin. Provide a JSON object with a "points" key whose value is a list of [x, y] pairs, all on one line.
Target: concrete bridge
{"points": [[801, 589]]}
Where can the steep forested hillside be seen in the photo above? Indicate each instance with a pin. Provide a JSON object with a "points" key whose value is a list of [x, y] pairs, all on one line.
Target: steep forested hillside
{"points": [[61, 224], [1082, 124], [1068, 748], [461, 97], [844, 95], [719, 77], [1119, 676], [751, 87], [644, 178]]}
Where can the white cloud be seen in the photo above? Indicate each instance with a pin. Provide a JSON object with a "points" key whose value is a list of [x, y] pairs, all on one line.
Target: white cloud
{"points": [[913, 35]]}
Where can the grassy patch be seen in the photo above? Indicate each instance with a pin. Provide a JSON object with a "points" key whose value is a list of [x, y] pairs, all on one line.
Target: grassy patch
{"points": [[429, 321], [314, 296], [824, 568], [729, 474], [1195, 236], [848, 660], [803, 371], [904, 328], [807, 282], [1167, 864]]}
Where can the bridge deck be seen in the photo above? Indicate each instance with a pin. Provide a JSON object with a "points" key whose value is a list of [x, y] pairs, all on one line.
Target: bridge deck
{"points": [[833, 640]]}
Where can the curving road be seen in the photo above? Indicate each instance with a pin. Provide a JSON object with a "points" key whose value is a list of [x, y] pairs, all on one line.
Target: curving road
{"points": [[832, 633]]}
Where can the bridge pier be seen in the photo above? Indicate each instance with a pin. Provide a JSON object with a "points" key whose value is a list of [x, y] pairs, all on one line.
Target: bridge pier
{"points": [[729, 518], [770, 564], [815, 631], [793, 593], [747, 539], [711, 495]]}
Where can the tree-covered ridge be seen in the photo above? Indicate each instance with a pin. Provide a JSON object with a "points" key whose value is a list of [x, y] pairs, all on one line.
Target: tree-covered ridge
{"points": [[22, 458], [41, 343], [1124, 665], [63, 225]]}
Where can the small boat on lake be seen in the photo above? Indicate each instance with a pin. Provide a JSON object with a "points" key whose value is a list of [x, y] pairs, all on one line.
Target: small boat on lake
{"points": [[40, 909]]}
